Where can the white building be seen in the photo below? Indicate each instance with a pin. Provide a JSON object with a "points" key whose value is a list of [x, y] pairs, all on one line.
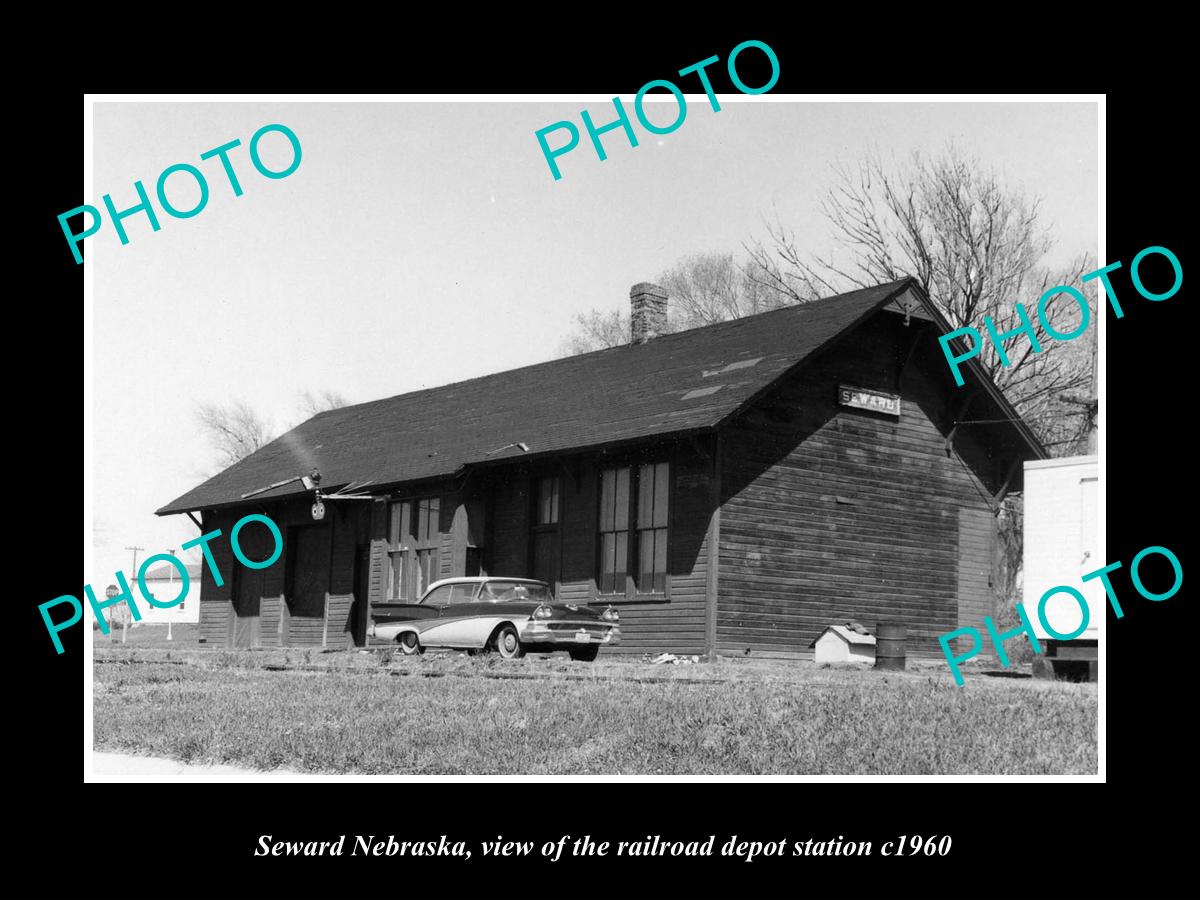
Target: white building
{"points": [[1062, 543], [164, 584]]}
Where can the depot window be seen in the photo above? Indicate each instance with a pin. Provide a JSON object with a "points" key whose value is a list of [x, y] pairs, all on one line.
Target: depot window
{"points": [[633, 529]]}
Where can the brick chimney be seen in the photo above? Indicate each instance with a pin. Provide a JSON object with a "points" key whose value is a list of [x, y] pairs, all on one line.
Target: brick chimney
{"points": [[647, 312]]}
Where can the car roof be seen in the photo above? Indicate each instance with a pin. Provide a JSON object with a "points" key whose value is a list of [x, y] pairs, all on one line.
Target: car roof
{"points": [[479, 579]]}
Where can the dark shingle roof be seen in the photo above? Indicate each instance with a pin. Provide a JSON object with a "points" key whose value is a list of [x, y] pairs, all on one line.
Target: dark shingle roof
{"points": [[687, 381]]}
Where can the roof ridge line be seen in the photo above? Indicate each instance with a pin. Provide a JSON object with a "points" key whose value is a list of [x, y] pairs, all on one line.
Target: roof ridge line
{"points": [[656, 342]]}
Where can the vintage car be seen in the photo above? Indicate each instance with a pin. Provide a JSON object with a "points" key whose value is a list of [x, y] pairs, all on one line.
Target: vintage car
{"points": [[509, 615]]}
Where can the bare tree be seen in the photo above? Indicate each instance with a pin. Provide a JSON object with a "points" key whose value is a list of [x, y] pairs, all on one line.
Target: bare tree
{"points": [[235, 430], [311, 404], [597, 330], [704, 288], [976, 245]]}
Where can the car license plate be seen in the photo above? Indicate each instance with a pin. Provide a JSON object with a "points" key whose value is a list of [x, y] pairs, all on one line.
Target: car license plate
{"points": [[582, 636]]}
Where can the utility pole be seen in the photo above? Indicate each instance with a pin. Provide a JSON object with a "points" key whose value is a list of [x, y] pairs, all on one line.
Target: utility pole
{"points": [[125, 618]]}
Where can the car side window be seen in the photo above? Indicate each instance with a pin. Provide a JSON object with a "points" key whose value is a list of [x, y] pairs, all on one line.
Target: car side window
{"points": [[438, 596], [461, 593]]}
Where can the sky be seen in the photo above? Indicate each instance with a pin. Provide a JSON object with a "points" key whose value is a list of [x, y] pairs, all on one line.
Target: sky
{"points": [[421, 243]]}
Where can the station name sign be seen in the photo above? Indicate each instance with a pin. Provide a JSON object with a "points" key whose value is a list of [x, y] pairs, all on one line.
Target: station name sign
{"points": [[875, 401]]}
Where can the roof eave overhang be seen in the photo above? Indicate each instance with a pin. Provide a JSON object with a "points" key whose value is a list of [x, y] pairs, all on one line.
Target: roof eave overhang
{"points": [[384, 489], [985, 380]]}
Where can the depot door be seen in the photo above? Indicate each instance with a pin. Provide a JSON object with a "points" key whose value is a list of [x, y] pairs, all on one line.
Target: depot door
{"points": [[307, 583], [544, 541], [247, 595]]}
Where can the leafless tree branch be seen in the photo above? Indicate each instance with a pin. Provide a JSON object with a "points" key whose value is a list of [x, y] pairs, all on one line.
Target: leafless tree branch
{"points": [[974, 244]]}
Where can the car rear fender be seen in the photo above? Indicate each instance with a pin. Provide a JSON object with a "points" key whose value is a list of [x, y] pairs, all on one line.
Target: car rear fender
{"points": [[391, 631]]}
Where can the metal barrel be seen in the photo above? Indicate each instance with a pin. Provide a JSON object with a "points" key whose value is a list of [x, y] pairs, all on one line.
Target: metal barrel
{"points": [[889, 645]]}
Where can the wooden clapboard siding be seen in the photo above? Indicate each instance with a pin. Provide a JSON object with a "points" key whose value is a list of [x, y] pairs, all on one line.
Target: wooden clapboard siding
{"points": [[976, 571], [832, 514], [447, 503], [338, 609], [678, 623], [457, 534], [305, 631], [377, 575], [271, 624], [216, 602], [214, 621]]}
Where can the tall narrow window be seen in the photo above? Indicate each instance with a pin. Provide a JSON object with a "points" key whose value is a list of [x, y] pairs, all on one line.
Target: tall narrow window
{"points": [[547, 501], [614, 530], [473, 564], [544, 530], [634, 517], [653, 483]]}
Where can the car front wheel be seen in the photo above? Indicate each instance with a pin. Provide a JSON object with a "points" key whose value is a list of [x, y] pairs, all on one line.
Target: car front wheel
{"points": [[508, 643], [585, 654]]}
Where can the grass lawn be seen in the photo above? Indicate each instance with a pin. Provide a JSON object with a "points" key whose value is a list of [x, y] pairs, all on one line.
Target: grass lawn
{"points": [[183, 634], [452, 714]]}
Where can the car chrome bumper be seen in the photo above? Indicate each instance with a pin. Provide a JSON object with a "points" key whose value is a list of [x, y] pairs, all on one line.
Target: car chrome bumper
{"points": [[542, 631]]}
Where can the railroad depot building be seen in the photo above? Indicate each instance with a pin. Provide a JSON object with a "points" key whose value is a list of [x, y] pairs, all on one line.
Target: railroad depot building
{"points": [[733, 489]]}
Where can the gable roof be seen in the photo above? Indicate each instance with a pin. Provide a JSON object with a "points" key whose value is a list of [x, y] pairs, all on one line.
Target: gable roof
{"points": [[689, 381], [167, 572], [850, 637]]}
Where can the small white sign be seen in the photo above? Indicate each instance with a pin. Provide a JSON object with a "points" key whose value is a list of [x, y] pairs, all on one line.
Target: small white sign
{"points": [[875, 401]]}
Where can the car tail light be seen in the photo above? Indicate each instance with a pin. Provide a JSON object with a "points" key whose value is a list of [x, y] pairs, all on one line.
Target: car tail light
{"points": [[542, 612], [611, 615]]}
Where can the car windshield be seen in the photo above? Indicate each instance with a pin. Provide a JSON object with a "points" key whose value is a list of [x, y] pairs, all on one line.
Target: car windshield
{"points": [[519, 591]]}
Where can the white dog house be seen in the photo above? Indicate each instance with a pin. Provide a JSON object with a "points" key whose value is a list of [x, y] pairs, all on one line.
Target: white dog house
{"points": [[839, 644]]}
